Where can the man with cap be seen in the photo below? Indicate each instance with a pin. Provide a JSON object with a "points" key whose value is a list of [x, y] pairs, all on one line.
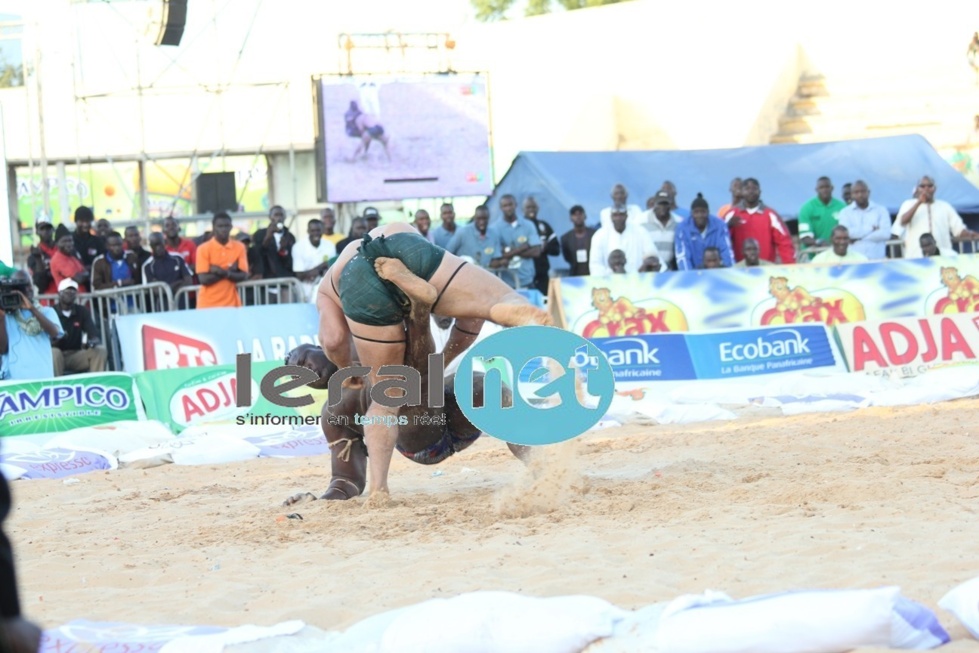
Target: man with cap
{"points": [[701, 231], [26, 334], [39, 260], [620, 199], [634, 241], [669, 188], [661, 223], [80, 348], [372, 216]]}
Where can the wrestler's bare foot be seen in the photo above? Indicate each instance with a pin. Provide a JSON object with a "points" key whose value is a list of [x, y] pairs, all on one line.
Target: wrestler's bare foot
{"points": [[378, 499], [417, 289], [522, 314]]}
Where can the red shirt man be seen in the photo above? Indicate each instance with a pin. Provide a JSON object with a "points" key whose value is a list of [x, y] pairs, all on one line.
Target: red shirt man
{"points": [[65, 265], [755, 220], [182, 247]]}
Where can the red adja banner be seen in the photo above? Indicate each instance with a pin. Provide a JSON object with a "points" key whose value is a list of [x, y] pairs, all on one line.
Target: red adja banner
{"points": [[909, 346]]}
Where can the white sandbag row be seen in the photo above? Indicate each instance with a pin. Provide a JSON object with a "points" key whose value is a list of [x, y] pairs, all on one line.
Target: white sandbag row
{"points": [[815, 621]]}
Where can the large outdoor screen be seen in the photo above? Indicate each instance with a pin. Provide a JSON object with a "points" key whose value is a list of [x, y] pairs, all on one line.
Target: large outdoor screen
{"points": [[400, 137]]}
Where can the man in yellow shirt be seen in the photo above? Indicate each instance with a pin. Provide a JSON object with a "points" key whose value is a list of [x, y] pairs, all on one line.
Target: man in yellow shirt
{"points": [[222, 262]]}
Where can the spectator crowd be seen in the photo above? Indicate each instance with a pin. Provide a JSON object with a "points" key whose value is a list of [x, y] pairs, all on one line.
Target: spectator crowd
{"points": [[63, 337]]}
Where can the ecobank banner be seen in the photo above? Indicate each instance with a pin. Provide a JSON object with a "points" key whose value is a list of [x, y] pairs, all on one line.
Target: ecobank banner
{"points": [[720, 355], [185, 396], [68, 402], [214, 336], [710, 300], [908, 347]]}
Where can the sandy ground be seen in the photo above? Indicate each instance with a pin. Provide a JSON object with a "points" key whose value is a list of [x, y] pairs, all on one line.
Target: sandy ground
{"points": [[636, 515]]}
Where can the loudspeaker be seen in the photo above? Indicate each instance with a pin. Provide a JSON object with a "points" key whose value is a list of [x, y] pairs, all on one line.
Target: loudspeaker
{"points": [[173, 23], [216, 192]]}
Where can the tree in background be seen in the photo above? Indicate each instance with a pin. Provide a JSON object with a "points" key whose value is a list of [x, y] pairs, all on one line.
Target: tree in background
{"points": [[489, 10]]}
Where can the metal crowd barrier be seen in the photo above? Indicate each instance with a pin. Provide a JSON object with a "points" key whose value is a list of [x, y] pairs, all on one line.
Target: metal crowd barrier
{"points": [[106, 305], [259, 292], [507, 271]]}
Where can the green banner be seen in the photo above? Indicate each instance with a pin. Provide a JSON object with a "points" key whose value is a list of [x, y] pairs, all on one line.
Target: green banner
{"points": [[65, 403], [184, 396]]}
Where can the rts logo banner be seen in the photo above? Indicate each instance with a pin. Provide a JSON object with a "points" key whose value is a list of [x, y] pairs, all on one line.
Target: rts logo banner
{"points": [[562, 385]]}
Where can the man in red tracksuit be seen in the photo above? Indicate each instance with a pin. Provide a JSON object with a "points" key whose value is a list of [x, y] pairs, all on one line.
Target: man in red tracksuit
{"points": [[752, 219]]}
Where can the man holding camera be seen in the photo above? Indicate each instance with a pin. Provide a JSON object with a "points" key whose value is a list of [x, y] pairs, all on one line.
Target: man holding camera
{"points": [[274, 246], [80, 348], [26, 331]]}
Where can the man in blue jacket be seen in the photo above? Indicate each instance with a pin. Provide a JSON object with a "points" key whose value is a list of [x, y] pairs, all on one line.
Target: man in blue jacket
{"points": [[698, 233]]}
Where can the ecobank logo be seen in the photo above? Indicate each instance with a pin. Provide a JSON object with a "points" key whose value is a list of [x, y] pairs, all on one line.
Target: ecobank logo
{"points": [[562, 385], [774, 344]]}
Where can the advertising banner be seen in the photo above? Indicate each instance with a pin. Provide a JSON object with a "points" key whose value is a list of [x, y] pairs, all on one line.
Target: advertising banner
{"points": [[213, 336], [730, 354], [720, 355], [655, 357], [710, 300], [68, 402], [182, 397], [907, 347]]}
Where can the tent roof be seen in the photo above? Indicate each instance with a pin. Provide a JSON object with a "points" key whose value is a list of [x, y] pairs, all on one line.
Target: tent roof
{"points": [[891, 167]]}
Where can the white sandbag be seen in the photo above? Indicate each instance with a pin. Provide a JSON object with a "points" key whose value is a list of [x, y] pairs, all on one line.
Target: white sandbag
{"points": [[214, 450], [307, 640], [215, 642], [820, 621], [116, 438], [485, 622], [636, 632], [913, 626], [963, 602]]}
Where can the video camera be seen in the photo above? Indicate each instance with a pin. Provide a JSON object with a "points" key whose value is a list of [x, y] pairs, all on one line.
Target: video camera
{"points": [[9, 299]]}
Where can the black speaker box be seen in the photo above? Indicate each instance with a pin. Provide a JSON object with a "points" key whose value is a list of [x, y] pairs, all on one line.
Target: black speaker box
{"points": [[215, 192], [174, 21]]}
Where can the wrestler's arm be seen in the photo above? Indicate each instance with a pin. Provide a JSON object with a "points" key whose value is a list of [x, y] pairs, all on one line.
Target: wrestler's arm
{"points": [[334, 333]]}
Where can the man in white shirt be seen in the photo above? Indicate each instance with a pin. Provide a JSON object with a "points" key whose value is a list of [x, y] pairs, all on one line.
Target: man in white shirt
{"points": [[925, 214], [661, 221], [620, 197], [634, 241], [311, 257], [840, 252], [869, 223]]}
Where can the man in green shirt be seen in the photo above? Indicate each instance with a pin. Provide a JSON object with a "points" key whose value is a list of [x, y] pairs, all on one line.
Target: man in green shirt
{"points": [[5, 270], [817, 217]]}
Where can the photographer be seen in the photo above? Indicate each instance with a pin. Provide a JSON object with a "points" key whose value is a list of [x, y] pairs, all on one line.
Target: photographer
{"points": [[79, 350], [274, 246], [26, 332]]}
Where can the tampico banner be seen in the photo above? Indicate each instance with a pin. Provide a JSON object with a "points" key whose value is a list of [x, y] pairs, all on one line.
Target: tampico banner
{"points": [[910, 346], [709, 300], [214, 336], [67, 402], [721, 354]]}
